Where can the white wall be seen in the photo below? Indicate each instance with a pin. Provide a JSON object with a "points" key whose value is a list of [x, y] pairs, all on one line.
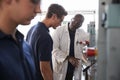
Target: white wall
{"points": [[74, 6]]}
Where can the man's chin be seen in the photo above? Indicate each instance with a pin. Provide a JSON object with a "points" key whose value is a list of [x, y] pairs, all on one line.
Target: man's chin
{"points": [[54, 27], [26, 23]]}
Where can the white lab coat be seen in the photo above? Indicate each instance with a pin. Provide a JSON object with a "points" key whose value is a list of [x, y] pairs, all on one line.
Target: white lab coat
{"points": [[61, 43]]}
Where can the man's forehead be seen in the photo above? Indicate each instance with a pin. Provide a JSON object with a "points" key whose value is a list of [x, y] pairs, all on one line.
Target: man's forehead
{"points": [[77, 18]]}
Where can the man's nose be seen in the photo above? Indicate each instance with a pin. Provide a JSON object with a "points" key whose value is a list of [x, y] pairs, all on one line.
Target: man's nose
{"points": [[38, 8]]}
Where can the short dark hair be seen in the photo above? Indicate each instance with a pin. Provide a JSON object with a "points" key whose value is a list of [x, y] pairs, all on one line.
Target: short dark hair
{"points": [[56, 9], [79, 15]]}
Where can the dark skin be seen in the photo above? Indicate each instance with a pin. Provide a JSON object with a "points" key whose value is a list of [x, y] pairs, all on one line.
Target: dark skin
{"points": [[75, 23], [74, 61]]}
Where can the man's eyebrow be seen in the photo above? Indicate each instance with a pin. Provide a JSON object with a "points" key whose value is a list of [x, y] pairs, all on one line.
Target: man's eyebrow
{"points": [[35, 1]]}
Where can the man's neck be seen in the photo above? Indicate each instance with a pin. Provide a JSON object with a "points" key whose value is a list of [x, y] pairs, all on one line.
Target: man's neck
{"points": [[47, 22], [7, 27]]}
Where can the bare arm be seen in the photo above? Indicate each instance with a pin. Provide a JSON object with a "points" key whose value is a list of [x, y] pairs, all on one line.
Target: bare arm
{"points": [[46, 70]]}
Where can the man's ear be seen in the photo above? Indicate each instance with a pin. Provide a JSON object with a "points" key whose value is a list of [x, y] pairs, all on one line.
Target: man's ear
{"points": [[54, 16]]}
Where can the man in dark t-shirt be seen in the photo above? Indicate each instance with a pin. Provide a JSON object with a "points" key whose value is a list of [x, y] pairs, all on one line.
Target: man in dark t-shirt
{"points": [[14, 64], [41, 42]]}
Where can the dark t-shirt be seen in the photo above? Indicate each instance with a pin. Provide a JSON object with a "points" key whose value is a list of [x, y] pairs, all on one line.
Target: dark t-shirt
{"points": [[12, 60], [40, 40], [71, 51], [28, 53]]}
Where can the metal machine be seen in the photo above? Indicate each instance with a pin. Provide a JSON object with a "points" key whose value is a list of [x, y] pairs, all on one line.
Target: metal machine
{"points": [[108, 40]]}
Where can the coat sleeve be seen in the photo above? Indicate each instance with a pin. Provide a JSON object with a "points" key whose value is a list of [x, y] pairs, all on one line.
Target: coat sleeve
{"points": [[57, 53]]}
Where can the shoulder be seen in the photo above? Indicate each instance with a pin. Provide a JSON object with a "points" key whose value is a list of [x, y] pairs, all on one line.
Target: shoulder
{"points": [[40, 30], [61, 29], [27, 48], [81, 31]]}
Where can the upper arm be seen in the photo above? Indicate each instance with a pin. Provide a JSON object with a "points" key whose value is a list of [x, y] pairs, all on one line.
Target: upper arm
{"points": [[44, 48]]}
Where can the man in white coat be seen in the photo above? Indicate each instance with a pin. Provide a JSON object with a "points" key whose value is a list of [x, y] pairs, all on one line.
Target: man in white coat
{"points": [[67, 52]]}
